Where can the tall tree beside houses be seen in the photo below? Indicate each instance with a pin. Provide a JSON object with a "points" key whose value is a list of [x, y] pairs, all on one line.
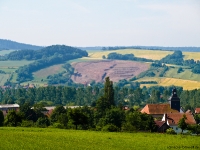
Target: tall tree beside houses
{"points": [[182, 123], [107, 100]]}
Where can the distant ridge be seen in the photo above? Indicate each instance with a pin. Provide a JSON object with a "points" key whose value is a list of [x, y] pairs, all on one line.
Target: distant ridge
{"points": [[8, 44]]}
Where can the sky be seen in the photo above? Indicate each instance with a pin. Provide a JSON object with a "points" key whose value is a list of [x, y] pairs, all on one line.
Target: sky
{"points": [[101, 22]]}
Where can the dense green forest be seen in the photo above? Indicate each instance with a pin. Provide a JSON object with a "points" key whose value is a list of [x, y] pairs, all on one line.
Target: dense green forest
{"points": [[8, 44], [45, 57]]}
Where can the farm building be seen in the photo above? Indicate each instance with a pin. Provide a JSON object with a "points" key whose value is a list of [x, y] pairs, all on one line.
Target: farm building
{"points": [[162, 126], [172, 120], [7, 107]]}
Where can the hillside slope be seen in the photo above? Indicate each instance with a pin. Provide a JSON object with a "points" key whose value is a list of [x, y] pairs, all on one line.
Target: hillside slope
{"points": [[8, 44]]}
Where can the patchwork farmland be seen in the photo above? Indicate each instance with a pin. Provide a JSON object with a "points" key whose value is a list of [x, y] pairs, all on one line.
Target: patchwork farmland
{"points": [[117, 70]]}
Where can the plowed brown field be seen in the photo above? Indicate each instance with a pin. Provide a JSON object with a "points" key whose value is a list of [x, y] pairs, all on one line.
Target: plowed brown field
{"points": [[117, 70]]}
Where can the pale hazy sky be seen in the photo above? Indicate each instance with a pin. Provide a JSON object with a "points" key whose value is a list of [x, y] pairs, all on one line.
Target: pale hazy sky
{"points": [[101, 22]]}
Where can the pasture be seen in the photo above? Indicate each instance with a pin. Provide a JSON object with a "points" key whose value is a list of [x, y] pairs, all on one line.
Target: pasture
{"points": [[4, 52], [60, 139], [43, 73], [3, 78], [13, 64]]}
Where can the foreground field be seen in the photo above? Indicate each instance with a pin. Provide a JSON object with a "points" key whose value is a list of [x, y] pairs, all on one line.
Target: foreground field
{"points": [[51, 139]]}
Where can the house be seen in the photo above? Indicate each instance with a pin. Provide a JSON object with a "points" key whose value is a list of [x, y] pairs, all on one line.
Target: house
{"points": [[172, 120], [197, 111], [7, 107], [158, 110], [162, 126]]}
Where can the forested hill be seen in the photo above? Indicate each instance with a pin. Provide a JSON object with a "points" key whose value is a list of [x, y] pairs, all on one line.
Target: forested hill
{"points": [[8, 44], [45, 57], [54, 50]]}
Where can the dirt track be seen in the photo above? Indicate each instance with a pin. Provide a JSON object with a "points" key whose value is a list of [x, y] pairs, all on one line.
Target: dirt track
{"points": [[98, 70]]}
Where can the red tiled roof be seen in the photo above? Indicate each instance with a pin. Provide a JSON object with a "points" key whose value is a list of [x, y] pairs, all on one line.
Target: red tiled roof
{"points": [[158, 109], [189, 111], [197, 110], [173, 118], [159, 123]]}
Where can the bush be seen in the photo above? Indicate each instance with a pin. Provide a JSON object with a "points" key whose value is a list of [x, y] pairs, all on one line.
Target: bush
{"points": [[26, 123], [58, 125], [110, 128], [42, 122], [170, 131], [127, 127]]}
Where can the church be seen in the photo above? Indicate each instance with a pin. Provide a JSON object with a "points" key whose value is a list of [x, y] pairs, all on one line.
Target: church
{"points": [[169, 113]]}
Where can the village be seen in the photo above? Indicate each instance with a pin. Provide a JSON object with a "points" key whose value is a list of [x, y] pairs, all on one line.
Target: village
{"points": [[166, 115]]}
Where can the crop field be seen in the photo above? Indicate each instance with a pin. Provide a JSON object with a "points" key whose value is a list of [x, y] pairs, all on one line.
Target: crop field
{"points": [[115, 69], [60, 139], [3, 78], [149, 54], [13, 64], [186, 84], [192, 55]]}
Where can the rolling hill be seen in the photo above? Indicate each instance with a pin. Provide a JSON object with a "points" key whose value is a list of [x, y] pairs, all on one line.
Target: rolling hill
{"points": [[93, 67], [8, 44]]}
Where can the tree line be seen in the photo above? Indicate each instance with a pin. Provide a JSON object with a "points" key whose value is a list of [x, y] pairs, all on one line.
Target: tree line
{"points": [[118, 56], [80, 96], [43, 58], [177, 59], [105, 115]]}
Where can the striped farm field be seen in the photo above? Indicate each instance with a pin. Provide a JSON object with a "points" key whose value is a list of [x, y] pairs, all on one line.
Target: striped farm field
{"points": [[149, 54], [186, 84]]}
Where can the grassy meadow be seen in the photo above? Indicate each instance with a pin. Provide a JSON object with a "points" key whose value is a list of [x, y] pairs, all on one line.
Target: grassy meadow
{"points": [[3, 78], [4, 52], [60, 139]]}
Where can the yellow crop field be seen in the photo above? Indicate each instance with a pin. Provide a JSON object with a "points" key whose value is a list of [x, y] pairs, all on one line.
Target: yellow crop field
{"points": [[149, 54], [186, 84], [192, 55]]}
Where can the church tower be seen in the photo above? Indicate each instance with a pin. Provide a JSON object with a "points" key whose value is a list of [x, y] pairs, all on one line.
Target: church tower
{"points": [[174, 100]]}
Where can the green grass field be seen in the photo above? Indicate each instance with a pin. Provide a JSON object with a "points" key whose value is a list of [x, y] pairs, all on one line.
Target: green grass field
{"points": [[3, 52], [60, 139], [3, 78], [13, 64]]}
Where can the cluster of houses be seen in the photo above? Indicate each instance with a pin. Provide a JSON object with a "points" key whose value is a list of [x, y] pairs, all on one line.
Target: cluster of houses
{"points": [[168, 115], [165, 115]]}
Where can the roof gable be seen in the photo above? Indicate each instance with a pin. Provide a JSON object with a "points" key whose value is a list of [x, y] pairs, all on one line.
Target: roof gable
{"points": [[158, 109], [173, 118]]}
